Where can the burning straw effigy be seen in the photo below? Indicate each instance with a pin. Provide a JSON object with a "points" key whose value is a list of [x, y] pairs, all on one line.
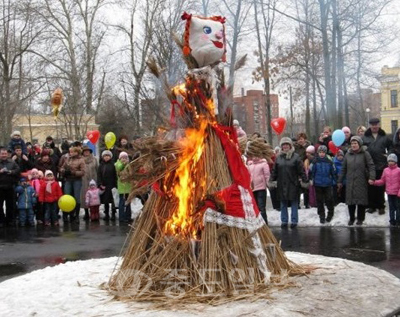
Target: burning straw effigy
{"points": [[200, 236]]}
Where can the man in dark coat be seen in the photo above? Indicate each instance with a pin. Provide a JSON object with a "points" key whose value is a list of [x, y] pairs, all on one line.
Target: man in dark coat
{"points": [[287, 171], [378, 145], [9, 175]]}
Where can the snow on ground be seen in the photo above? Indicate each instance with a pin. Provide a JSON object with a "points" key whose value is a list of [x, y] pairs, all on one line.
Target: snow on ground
{"points": [[337, 288], [310, 218]]}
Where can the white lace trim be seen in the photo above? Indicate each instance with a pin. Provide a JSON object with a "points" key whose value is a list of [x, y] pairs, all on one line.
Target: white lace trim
{"points": [[247, 202], [251, 224], [259, 253]]}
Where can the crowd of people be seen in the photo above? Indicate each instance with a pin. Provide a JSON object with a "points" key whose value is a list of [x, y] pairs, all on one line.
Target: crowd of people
{"points": [[357, 174], [34, 177]]}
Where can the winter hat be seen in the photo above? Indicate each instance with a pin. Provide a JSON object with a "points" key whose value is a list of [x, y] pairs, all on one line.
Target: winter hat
{"points": [[286, 140], [48, 172], [92, 182], [16, 132], [346, 129], [392, 158], [357, 139], [322, 148], [123, 154], [34, 170], [45, 152], [310, 149], [106, 152], [235, 122], [86, 148], [340, 153], [22, 179]]}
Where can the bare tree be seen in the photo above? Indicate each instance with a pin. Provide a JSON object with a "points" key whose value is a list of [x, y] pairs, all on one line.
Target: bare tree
{"points": [[264, 10], [70, 54], [139, 34], [18, 34]]}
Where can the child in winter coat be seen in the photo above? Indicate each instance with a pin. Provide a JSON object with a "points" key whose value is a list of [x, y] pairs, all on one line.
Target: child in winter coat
{"points": [[339, 196], [49, 194], [259, 173], [35, 183], [107, 180], [26, 201], [391, 178], [124, 188], [322, 174], [310, 155], [92, 200]]}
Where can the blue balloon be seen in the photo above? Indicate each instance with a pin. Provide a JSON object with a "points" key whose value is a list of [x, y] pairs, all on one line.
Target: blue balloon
{"points": [[338, 137], [91, 146]]}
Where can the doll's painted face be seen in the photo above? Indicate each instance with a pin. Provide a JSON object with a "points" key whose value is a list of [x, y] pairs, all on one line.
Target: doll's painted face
{"points": [[206, 40]]}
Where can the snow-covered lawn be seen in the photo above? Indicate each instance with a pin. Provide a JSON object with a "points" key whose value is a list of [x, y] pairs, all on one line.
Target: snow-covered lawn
{"points": [[337, 288]]}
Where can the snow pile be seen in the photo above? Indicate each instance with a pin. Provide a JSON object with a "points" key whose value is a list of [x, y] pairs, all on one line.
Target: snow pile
{"points": [[310, 218], [337, 288]]}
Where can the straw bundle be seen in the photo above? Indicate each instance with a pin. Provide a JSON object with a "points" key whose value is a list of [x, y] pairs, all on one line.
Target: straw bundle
{"points": [[259, 148]]}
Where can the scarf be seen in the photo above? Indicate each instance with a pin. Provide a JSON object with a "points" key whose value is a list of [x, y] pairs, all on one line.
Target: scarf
{"points": [[48, 186]]}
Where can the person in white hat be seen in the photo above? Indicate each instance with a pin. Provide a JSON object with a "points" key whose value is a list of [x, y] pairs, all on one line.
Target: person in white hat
{"points": [[17, 140], [124, 188], [287, 171], [106, 179], [240, 132], [391, 180]]}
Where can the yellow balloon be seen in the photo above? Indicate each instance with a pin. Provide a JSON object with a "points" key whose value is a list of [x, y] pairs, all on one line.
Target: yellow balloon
{"points": [[67, 203], [109, 140]]}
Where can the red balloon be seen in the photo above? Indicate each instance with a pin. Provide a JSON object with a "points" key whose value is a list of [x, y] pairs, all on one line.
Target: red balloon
{"points": [[278, 125], [93, 136], [333, 148]]}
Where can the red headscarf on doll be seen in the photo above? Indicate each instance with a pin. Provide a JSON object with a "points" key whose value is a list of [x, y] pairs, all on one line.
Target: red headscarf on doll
{"points": [[204, 39]]}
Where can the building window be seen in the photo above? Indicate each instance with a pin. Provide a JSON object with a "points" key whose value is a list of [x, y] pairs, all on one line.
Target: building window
{"points": [[393, 98], [395, 125]]}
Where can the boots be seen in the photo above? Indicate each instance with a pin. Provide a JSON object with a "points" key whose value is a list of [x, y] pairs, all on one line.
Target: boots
{"points": [[113, 215], [76, 212], [86, 217], [330, 216], [65, 217], [107, 215]]}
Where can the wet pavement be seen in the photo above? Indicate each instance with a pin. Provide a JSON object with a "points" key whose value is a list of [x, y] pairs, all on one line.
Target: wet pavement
{"points": [[26, 249]]}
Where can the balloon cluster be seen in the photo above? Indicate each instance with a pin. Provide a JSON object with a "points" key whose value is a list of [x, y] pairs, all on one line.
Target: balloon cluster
{"points": [[109, 138]]}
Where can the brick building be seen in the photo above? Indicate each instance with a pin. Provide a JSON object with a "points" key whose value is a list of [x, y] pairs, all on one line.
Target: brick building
{"points": [[250, 110]]}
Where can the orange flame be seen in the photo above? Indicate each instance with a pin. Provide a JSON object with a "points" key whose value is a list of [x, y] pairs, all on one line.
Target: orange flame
{"points": [[181, 221]]}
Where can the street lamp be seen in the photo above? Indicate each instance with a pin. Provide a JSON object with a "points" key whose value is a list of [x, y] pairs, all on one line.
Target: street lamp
{"points": [[367, 111]]}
